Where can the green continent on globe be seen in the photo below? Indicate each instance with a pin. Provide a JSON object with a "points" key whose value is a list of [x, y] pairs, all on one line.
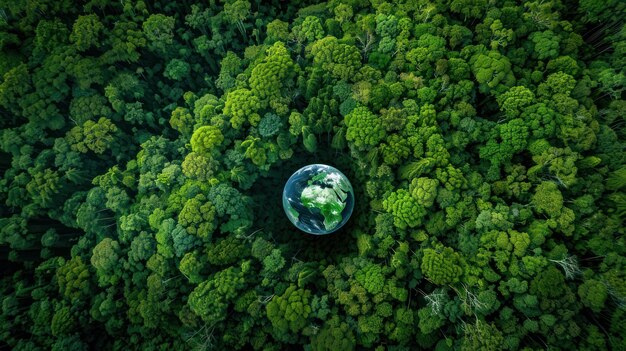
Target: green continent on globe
{"points": [[292, 212], [325, 200], [328, 199]]}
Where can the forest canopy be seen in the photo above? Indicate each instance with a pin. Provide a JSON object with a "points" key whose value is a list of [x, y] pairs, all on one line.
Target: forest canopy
{"points": [[144, 146]]}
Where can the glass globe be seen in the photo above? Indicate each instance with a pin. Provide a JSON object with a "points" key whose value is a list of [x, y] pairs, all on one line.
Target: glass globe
{"points": [[318, 199]]}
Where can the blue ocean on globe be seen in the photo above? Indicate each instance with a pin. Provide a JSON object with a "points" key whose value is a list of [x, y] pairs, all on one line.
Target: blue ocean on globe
{"points": [[318, 199]]}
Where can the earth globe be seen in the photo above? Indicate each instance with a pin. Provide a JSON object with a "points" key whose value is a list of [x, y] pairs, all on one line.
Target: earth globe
{"points": [[318, 199]]}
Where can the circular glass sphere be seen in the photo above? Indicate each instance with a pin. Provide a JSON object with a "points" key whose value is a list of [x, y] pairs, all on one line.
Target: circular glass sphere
{"points": [[318, 199]]}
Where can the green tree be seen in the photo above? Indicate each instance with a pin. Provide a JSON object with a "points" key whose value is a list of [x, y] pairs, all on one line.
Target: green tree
{"points": [[442, 265], [236, 12], [289, 312], [159, 30], [548, 199], [192, 265], [334, 335], [341, 61], [469, 8], [198, 217], [93, 136], [206, 139], [198, 166], [125, 39], [593, 294], [277, 30], [482, 336], [177, 69], [515, 100], [406, 211], [62, 321], [227, 251], [364, 128], [73, 279], [242, 106], [210, 300], [424, 190], [106, 260], [310, 30], [546, 44], [86, 32], [269, 77], [492, 71]]}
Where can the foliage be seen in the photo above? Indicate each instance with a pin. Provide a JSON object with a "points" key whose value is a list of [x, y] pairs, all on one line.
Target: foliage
{"points": [[144, 146]]}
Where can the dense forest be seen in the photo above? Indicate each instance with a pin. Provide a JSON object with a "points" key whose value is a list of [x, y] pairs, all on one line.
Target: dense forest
{"points": [[144, 146]]}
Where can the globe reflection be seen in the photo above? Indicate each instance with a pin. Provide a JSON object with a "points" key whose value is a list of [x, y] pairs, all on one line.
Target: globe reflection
{"points": [[318, 199]]}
